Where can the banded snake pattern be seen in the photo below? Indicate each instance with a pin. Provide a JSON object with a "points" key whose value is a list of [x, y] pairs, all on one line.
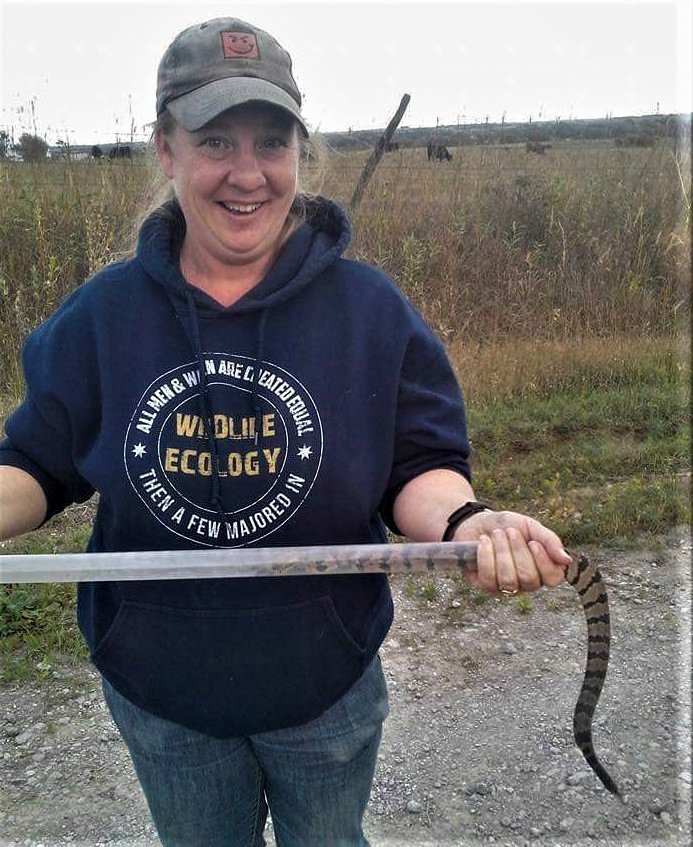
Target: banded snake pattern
{"points": [[587, 581], [404, 558], [585, 578]]}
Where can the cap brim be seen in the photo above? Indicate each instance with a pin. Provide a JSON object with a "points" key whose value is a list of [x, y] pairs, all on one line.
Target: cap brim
{"points": [[197, 108]]}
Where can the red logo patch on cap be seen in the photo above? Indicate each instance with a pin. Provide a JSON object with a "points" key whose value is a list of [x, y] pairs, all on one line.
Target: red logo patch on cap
{"points": [[239, 45]]}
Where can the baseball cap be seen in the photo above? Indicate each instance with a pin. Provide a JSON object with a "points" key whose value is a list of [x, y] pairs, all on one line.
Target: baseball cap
{"points": [[213, 66]]}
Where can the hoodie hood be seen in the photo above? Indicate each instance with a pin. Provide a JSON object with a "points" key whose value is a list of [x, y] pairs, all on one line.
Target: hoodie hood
{"points": [[317, 243]]}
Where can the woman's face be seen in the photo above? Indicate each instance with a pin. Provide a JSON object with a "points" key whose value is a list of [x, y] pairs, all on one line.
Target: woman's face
{"points": [[235, 180]]}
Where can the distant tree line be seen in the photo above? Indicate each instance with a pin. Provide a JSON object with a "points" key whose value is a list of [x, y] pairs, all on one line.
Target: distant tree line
{"points": [[623, 131], [641, 131]]}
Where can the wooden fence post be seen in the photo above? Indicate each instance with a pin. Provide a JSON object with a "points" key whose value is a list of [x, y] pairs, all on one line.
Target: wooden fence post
{"points": [[376, 155]]}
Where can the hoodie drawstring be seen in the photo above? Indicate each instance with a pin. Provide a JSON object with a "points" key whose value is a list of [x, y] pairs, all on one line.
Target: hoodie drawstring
{"points": [[205, 409], [205, 402], [257, 411]]}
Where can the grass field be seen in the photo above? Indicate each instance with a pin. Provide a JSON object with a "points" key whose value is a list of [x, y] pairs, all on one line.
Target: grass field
{"points": [[560, 285], [587, 240]]}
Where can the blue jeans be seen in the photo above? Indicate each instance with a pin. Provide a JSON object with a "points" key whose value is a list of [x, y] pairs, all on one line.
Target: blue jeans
{"points": [[210, 792]]}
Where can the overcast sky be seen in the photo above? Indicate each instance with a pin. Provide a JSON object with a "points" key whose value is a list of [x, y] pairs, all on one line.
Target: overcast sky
{"points": [[89, 68]]}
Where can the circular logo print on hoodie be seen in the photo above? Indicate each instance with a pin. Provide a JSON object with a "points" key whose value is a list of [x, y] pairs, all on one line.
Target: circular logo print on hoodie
{"points": [[260, 449]]}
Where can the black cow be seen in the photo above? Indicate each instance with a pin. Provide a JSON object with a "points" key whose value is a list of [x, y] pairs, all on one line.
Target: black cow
{"points": [[120, 151], [392, 147], [537, 147], [96, 152], [438, 152]]}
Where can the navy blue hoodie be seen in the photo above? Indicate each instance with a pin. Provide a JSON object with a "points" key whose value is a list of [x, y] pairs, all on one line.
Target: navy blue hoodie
{"points": [[293, 417]]}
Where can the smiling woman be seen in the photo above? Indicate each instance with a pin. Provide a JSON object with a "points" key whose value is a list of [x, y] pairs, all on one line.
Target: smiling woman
{"points": [[237, 382], [235, 180]]}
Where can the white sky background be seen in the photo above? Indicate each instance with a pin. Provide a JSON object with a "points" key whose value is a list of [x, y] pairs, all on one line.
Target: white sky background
{"points": [[90, 67]]}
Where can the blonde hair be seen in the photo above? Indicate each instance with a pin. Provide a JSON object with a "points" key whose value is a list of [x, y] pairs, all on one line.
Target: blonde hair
{"points": [[158, 188]]}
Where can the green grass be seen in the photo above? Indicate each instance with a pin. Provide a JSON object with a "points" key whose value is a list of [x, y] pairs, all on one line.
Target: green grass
{"points": [[430, 590], [593, 441], [523, 605], [38, 625], [600, 460]]}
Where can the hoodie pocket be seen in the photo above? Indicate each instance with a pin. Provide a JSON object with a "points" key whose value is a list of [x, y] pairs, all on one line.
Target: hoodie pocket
{"points": [[231, 672]]}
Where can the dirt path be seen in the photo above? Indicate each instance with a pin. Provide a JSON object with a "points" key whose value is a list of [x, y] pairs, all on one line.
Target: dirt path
{"points": [[478, 748]]}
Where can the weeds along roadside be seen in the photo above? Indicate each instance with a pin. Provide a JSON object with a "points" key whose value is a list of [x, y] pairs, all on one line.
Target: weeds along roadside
{"points": [[559, 284]]}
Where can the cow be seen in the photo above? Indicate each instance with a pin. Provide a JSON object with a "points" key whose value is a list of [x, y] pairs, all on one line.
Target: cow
{"points": [[438, 152], [96, 152], [538, 147], [441, 153], [392, 147], [120, 151]]}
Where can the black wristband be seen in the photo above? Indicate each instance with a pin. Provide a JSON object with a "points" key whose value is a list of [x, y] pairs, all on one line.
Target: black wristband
{"points": [[461, 514]]}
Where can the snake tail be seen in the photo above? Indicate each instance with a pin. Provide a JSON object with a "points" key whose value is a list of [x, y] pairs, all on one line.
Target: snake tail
{"points": [[587, 581]]}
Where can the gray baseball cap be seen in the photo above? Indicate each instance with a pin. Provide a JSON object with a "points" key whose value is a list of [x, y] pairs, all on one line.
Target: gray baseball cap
{"points": [[213, 66]]}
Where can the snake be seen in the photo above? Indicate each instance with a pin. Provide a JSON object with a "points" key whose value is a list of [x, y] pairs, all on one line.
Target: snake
{"points": [[585, 578], [400, 558]]}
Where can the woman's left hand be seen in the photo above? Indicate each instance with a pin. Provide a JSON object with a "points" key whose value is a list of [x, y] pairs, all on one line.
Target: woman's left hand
{"points": [[516, 553]]}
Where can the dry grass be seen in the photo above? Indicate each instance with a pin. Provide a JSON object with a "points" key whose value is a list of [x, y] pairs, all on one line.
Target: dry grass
{"points": [[516, 367], [587, 241], [59, 222]]}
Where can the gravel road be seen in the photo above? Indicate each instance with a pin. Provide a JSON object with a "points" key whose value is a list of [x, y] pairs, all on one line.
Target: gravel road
{"points": [[478, 748]]}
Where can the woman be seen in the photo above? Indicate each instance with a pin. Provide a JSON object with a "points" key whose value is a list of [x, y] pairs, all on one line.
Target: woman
{"points": [[235, 383]]}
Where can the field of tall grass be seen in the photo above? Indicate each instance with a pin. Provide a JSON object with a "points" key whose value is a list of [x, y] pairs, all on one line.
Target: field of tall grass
{"points": [[560, 284], [584, 241]]}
